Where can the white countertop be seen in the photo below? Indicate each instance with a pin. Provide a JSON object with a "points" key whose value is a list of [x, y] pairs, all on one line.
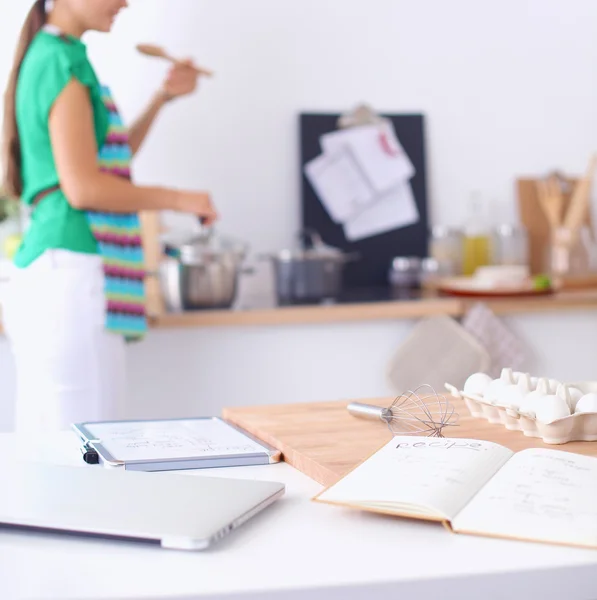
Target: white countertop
{"points": [[295, 549]]}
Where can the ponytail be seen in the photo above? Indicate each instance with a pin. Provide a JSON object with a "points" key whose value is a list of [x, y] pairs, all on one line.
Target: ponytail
{"points": [[11, 145]]}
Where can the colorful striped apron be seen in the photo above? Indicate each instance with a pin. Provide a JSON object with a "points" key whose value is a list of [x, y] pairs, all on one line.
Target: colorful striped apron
{"points": [[118, 237]]}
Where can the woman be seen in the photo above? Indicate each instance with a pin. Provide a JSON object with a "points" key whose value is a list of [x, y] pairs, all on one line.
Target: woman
{"points": [[78, 293]]}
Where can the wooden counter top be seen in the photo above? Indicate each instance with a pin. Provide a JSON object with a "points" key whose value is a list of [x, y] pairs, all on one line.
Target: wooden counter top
{"points": [[373, 311]]}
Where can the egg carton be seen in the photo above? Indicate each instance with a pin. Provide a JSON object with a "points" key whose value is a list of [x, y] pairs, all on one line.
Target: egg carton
{"points": [[576, 427]]}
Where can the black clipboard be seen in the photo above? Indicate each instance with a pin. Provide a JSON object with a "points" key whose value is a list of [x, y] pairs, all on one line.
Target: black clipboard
{"points": [[375, 253]]}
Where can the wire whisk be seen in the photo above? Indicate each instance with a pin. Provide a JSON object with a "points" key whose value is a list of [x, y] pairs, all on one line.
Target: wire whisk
{"points": [[412, 413]]}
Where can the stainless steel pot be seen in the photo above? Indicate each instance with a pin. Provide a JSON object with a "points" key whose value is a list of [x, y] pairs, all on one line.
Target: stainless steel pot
{"points": [[202, 272], [310, 274]]}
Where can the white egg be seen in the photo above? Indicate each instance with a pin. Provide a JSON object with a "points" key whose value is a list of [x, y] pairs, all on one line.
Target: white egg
{"points": [[496, 388], [564, 393], [532, 399], [529, 404], [551, 408], [587, 404], [477, 384], [571, 394], [494, 391], [511, 397], [524, 384], [575, 396]]}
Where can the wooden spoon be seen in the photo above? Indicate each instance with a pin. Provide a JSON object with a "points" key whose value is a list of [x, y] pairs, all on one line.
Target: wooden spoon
{"points": [[159, 52], [579, 203], [556, 196], [549, 203]]}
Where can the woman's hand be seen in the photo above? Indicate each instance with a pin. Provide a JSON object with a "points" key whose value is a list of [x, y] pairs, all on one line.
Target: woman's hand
{"points": [[197, 203], [181, 80]]}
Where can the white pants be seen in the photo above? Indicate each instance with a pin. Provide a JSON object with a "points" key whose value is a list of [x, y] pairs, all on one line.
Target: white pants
{"points": [[69, 368]]}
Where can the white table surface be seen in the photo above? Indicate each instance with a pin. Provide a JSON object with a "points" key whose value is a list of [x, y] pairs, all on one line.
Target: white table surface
{"points": [[295, 549]]}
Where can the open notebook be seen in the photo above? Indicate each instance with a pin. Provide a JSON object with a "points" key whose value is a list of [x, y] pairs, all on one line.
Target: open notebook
{"points": [[479, 488]]}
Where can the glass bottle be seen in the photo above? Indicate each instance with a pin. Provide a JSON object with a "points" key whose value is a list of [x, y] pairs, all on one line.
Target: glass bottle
{"points": [[476, 243], [445, 247], [510, 246]]}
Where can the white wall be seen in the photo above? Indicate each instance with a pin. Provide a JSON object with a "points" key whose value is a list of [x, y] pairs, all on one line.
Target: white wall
{"points": [[508, 88], [197, 372]]}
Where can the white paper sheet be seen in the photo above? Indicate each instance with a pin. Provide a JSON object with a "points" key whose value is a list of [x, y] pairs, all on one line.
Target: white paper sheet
{"points": [[339, 183], [378, 152], [392, 210], [155, 440]]}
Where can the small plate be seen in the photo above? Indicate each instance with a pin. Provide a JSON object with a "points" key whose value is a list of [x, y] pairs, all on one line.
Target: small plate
{"points": [[470, 288]]}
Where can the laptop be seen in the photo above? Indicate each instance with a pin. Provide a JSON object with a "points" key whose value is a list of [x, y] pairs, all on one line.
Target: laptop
{"points": [[178, 511]]}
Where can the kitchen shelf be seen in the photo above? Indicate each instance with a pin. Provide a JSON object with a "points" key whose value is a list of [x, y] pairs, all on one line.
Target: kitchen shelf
{"points": [[372, 311], [295, 315]]}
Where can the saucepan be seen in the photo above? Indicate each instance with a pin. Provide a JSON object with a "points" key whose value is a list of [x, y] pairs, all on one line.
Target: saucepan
{"points": [[310, 273], [201, 271]]}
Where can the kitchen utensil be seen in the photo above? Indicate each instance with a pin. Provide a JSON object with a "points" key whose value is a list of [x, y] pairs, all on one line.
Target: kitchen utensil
{"points": [[405, 272], [420, 412], [567, 254], [201, 271], [550, 198], [169, 274], [579, 204], [534, 220], [159, 52], [311, 273]]}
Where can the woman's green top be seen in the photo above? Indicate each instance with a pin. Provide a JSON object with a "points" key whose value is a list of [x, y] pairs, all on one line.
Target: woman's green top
{"points": [[50, 63]]}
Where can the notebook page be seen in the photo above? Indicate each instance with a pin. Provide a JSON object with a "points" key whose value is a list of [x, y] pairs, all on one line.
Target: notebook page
{"points": [[542, 495], [441, 475], [161, 440]]}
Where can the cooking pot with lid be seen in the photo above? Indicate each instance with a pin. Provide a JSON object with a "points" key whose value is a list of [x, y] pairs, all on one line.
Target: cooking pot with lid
{"points": [[310, 273], [201, 271]]}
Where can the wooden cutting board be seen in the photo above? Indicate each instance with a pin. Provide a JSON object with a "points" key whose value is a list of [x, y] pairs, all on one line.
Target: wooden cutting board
{"points": [[324, 441]]}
